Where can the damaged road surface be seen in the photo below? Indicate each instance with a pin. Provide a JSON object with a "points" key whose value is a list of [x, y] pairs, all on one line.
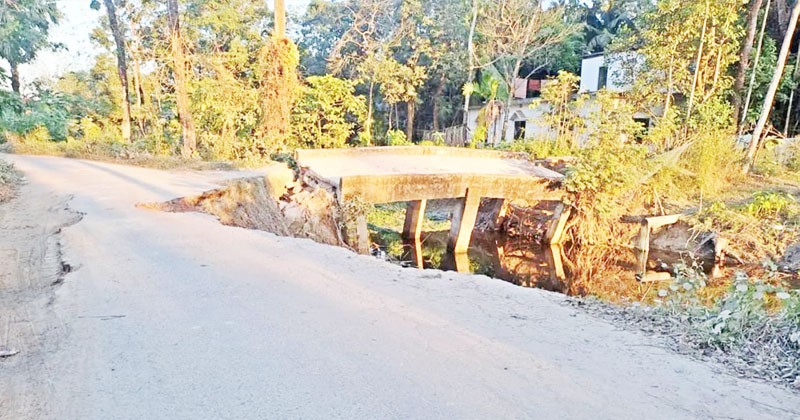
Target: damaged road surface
{"points": [[175, 316]]}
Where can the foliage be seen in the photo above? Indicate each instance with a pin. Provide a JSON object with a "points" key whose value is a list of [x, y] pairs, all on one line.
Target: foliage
{"points": [[327, 113], [755, 322], [563, 117], [519, 31], [24, 28], [9, 178], [396, 138], [278, 90], [761, 228]]}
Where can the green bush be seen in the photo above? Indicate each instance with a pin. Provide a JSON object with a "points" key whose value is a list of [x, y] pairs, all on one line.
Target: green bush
{"points": [[396, 138], [328, 113]]}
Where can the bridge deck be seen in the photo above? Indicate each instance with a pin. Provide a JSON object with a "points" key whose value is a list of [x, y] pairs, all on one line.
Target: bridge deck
{"points": [[416, 174]]}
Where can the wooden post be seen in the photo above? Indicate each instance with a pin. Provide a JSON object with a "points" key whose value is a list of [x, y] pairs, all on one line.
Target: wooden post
{"points": [[415, 215], [719, 256], [463, 222], [643, 248], [555, 233]]}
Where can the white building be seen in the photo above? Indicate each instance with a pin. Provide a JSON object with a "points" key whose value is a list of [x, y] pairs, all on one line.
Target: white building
{"points": [[613, 72]]}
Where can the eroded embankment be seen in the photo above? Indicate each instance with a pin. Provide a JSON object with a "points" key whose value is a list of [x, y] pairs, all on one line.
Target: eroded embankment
{"points": [[275, 203]]}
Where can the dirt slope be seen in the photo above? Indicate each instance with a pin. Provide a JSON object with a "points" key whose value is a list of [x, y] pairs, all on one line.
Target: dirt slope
{"points": [[175, 316]]}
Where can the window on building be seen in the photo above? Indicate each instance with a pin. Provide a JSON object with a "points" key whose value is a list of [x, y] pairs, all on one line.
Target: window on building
{"points": [[519, 130], [602, 78], [534, 88]]}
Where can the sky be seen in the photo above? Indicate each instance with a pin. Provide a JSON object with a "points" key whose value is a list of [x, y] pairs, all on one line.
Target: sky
{"points": [[73, 31]]}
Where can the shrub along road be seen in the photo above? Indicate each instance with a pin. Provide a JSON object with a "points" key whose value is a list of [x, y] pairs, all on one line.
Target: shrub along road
{"points": [[138, 314]]}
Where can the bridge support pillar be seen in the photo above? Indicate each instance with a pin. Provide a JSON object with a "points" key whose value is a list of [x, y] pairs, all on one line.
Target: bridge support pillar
{"points": [[555, 233], [463, 222], [415, 215], [357, 235]]}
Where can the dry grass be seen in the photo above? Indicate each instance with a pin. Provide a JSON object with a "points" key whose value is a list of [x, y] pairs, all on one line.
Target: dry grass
{"points": [[9, 181], [128, 154]]}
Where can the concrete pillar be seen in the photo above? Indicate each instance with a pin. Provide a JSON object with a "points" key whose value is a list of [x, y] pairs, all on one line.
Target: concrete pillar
{"points": [[461, 262], [463, 222], [357, 237], [555, 233], [414, 247], [415, 215], [554, 257]]}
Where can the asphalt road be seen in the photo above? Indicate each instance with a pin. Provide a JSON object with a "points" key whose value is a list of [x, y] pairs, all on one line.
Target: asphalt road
{"points": [[174, 316]]}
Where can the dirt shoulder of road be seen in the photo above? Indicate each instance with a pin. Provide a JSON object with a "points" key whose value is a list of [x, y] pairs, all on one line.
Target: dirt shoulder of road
{"points": [[31, 268]]}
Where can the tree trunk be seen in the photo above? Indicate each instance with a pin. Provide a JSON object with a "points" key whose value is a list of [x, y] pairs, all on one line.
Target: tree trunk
{"points": [[697, 63], [511, 82], [368, 124], [470, 58], [189, 143], [122, 69], [280, 19], [437, 96], [411, 107], [744, 56], [773, 88], [15, 77], [795, 76], [751, 86]]}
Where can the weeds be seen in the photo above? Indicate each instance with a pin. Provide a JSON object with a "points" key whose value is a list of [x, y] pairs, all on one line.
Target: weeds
{"points": [[751, 325], [9, 179]]}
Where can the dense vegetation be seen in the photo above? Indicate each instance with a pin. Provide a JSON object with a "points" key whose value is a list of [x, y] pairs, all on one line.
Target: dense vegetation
{"points": [[408, 62]]}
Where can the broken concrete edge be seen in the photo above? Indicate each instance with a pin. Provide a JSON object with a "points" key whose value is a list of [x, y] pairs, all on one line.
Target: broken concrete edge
{"points": [[642, 245]]}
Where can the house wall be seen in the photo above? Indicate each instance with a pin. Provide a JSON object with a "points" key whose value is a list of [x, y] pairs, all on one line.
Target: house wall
{"points": [[535, 126], [521, 110], [621, 67]]}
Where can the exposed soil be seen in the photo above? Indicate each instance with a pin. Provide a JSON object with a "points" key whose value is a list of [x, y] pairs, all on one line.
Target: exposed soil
{"points": [[275, 203], [31, 268]]}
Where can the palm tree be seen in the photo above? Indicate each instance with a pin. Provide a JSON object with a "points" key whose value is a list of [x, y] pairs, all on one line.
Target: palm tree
{"points": [[604, 20]]}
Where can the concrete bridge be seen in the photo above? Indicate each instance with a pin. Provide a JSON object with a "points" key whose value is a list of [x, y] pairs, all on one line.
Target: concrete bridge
{"points": [[415, 174]]}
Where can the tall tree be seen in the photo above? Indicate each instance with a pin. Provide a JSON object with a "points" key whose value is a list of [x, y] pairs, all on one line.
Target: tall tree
{"points": [[189, 139], [24, 27], [122, 64], [744, 56], [471, 67], [766, 108]]}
